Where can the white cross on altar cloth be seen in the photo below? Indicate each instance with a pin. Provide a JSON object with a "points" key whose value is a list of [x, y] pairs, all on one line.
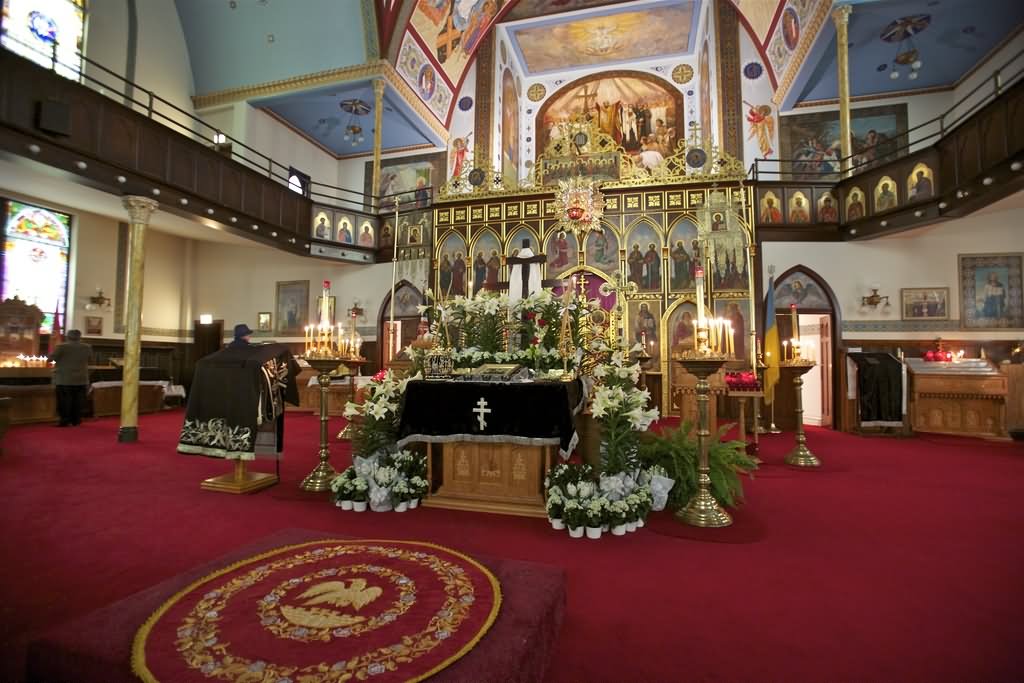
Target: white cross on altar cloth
{"points": [[480, 410]]}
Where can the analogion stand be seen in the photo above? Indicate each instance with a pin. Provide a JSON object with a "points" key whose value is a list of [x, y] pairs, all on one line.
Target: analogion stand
{"points": [[241, 480]]}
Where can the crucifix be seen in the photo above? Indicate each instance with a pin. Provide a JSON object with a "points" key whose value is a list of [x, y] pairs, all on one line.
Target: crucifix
{"points": [[528, 265], [481, 410], [588, 96]]}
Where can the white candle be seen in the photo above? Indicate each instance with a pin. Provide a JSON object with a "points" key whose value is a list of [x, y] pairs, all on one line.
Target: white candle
{"points": [[699, 273], [785, 348]]}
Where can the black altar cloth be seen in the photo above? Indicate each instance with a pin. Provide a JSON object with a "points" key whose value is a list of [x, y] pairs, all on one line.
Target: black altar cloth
{"points": [[527, 413], [879, 387], [237, 396]]}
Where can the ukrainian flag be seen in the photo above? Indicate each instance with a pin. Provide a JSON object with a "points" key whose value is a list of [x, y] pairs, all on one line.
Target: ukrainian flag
{"points": [[771, 344]]}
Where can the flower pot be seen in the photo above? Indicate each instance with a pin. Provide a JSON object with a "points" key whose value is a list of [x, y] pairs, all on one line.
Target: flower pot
{"points": [[414, 503], [402, 507], [630, 527], [557, 524], [605, 527], [594, 532], [345, 504], [640, 524], [359, 505], [576, 533], [619, 530]]}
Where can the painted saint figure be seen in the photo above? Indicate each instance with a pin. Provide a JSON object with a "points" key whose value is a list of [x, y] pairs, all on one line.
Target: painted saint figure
{"points": [[827, 213], [886, 199], [798, 214], [366, 237], [994, 301], [561, 245], [646, 328], [459, 275], [682, 334], [323, 230], [682, 267], [923, 186], [445, 275], [769, 212], [652, 268], [636, 265], [479, 271], [762, 127], [493, 266], [856, 207]]}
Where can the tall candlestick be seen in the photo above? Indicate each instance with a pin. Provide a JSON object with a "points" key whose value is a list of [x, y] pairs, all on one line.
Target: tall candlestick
{"points": [[699, 276], [732, 341], [796, 322]]}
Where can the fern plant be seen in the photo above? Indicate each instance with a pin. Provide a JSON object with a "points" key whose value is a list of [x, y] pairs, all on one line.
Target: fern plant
{"points": [[676, 451]]}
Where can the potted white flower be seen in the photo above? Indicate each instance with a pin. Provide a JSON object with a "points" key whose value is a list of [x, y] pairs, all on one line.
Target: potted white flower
{"points": [[574, 518], [594, 512], [618, 515], [419, 489], [400, 495], [555, 506], [360, 493], [341, 485]]}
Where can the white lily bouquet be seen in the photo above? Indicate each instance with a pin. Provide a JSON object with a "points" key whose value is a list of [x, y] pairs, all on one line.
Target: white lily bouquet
{"points": [[577, 501], [385, 480], [621, 409], [374, 413]]}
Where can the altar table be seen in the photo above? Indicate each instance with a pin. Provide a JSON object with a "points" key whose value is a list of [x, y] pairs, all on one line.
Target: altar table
{"points": [[491, 443]]}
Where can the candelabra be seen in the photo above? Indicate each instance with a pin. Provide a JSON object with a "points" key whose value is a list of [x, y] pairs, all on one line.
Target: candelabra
{"points": [[801, 455]]}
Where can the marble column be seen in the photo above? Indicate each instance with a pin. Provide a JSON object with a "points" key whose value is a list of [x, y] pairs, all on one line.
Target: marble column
{"points": [[378, 115], [139, 210], [841, 18]]}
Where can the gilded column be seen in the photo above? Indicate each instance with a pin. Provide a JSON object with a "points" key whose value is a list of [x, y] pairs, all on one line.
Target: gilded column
{"points": [[139, 211], [378, 115], [841, 17]]}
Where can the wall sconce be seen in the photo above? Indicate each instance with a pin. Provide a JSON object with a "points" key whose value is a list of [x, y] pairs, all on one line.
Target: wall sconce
{"points": [[205, 319], [873, 299], [98, 301]]}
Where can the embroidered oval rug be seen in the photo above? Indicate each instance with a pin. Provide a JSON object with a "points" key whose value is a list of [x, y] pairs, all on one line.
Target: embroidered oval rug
{"points": [[329, 610]]}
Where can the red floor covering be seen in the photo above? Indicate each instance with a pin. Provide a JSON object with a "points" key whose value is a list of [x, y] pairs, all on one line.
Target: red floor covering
{"points": [[899, 560]]}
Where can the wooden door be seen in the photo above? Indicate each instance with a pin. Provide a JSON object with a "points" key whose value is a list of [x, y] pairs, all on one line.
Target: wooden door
{"points": [[207, 339], [825, 368]]}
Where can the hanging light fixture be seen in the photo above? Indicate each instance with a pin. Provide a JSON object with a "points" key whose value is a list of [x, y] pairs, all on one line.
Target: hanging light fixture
{"points": [[356, 109], [901, 32]]}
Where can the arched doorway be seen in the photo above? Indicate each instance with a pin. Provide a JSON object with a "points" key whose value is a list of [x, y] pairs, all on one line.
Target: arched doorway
{"points": [[407, 298], [819, 318]]}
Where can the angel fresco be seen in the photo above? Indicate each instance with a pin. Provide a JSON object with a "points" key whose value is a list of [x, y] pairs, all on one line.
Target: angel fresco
{"points": [[800, 291], [762, 127]]}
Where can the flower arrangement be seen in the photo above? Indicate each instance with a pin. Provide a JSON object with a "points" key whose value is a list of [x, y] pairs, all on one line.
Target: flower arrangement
{"points": [[583, 503], [621, 410], [373, 414], [386, 481], [742, 381]]}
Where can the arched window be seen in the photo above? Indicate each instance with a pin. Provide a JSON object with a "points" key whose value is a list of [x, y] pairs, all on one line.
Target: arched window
{"points": [[298, 182], [36, 29], [35, 259]]}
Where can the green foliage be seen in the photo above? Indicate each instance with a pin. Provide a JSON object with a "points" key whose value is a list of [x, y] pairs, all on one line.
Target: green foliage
{"points": [[676, 451]]}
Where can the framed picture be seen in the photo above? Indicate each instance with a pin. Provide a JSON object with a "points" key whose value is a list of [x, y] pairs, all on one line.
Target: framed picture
{"points": [[924, 303], [264, 322], [93, 325], [412, 180], [330, 308], [292, 307], [644, 326], [991, 287]]}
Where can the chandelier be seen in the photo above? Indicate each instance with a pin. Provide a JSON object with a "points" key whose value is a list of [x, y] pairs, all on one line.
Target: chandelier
{"points": [[579, 206], [355, 109]]}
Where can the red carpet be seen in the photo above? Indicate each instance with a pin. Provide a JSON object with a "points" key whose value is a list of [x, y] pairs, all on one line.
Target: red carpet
{"points": [[901, 560]]}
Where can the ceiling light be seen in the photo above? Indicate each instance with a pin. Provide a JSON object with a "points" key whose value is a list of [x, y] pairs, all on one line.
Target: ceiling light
{"points": [[209, 211], [81, 165], [121, 179], [987, 180], [943, 205], [156, 191], [919, 213], [273, 234], [1016, 166], [34, 149], [184, 202]]}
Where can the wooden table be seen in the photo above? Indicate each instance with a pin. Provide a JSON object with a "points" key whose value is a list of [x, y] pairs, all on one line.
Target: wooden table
{"points": [[741, 398]]}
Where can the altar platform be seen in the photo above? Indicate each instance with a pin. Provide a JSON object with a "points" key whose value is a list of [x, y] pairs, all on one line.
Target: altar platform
{"points": [[518, 647]]}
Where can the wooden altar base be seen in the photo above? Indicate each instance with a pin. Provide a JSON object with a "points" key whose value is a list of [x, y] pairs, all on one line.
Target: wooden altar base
{"points": [[240, 481], [501, 478]]}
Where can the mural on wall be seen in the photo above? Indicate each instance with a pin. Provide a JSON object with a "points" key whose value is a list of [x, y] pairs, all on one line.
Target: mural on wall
{"points": [[528, 9], [992, 291], [704, 86], [643, 258], [789, 30], [640, 112], [855, 204], [800, 290], [461, 126], [451, 266], [509, 126], [418, 71], [737, 312], [812, 141], [759, 15], [761, 127], [827, 210], [562, 252], [681, 260], [615, 37], [453, 30], [602, 250], [644, 317], [486, 261], [412, 180]]}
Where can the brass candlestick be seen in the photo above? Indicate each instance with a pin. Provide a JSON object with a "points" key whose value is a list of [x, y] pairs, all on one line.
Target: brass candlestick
{"points": [[801, 455], [320, 478], [703, 510]]}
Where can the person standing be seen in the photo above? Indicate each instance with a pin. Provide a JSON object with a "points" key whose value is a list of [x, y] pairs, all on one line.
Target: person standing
{"points": [[71, 377], [243, 335]]}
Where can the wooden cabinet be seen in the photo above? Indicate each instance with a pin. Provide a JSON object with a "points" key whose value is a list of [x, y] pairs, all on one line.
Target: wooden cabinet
{"points": [[488, 477], [966, 398]]}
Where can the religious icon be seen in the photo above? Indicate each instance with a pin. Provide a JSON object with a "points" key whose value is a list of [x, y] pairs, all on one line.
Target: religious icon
{"points": [[644, 317], [770, 212], [93, 325], [827, 212], [682, 267], [485, 249], [681, 327], [562, 253], [427, 82], [264, 322], [885, 196], [509, 127], [292, 307], [345, 230], [790, 28], [322, 228], [331, 301], [457, 155], [603, 250], [652, 269], [855, 204], [458, 275], [644, 260], [386, 234], [798, 208], [797, 289], [991, 291], [919, 182], [718, 223], [451, 266], [736, 312], [925, 303], [366, 235], [762, 127]]}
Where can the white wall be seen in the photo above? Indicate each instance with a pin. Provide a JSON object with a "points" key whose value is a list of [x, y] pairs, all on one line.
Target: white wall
{"points": [[266, 135], [161, 57], [1004, 56], [925, 257], [463, 123], [235, 283], [757, 92]]}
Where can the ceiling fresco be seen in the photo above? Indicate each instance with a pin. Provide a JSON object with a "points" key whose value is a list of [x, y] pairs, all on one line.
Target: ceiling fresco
{"points": [[605, 37], [528, 9], [451, 30], [926, 43]]}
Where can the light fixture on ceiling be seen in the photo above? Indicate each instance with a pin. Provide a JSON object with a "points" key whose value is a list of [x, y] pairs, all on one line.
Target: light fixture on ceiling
{"points": [[902, 32], [356, 109]]}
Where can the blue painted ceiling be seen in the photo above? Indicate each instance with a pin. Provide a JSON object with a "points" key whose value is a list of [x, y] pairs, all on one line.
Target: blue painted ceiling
{"points": [[951, 37], [317, 114], [236, 43]]}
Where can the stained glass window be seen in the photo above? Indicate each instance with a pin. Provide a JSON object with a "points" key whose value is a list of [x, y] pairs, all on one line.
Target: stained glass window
{"points": [[35, 259], [31, 28]]}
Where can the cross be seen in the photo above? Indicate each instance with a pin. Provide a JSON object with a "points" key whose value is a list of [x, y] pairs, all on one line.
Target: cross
{"points": [[448, 39], [480, 410], [525, 263], [587, 95]]}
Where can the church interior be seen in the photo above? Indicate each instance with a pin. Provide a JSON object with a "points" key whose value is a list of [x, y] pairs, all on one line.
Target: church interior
{"points": [[605, 340]]}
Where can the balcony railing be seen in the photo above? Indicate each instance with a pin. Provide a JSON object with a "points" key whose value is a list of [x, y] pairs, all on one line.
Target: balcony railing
{"points": [[828, 167]]}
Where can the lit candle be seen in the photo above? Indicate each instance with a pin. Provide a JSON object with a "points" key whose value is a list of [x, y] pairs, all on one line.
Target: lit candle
{"points": [[731, 340], [796, 322], [758, 340], [643, 339], [699, 277], [785, 349]]}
